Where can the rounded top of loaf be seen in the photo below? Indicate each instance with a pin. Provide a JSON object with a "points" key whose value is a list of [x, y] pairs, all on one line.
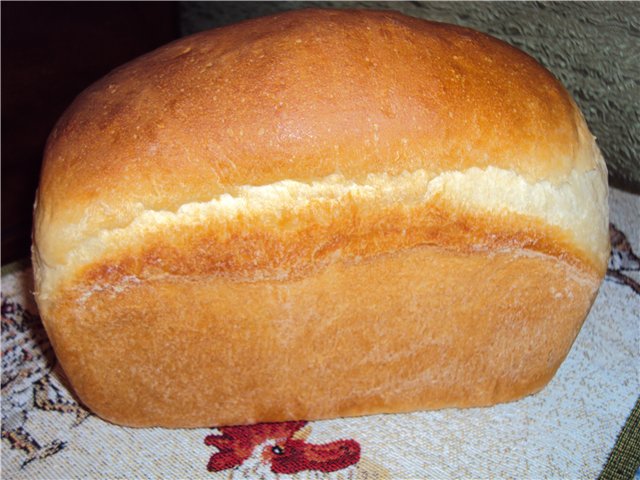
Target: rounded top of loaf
{"points": [[300, 96]]}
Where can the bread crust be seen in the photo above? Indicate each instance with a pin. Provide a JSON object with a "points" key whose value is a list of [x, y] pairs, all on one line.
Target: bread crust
{"points": [[414, 329], [317, 214], [300, 96]]}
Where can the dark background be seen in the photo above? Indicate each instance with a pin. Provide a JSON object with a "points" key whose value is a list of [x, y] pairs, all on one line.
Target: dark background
{"points": [[52, 51]]}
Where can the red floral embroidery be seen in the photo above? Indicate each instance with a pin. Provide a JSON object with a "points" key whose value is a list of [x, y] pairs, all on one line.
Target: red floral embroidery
{"points": [[278, 449]]}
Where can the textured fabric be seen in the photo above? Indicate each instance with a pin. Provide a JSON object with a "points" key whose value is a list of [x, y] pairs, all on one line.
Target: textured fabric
{"points": [[624, 460], [565, 431], [592, 47]]}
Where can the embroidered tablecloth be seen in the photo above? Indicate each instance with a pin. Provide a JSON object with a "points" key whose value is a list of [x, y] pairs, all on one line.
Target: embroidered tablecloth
{"points": [[566, 431]]}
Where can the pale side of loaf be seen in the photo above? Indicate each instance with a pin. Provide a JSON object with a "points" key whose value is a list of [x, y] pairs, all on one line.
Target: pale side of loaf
{"points": [[317, 214]]}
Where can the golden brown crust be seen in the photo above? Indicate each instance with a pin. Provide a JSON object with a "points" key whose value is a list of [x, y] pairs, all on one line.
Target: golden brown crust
{"points": [[316, 214], [300, 96], [379, 335]]}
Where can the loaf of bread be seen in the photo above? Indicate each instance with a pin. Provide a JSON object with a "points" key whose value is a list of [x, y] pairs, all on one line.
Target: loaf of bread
{"points": [[317, 214]]}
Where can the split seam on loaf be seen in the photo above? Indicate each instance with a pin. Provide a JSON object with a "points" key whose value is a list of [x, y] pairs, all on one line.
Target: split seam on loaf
{"points": [[569, 205]]}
